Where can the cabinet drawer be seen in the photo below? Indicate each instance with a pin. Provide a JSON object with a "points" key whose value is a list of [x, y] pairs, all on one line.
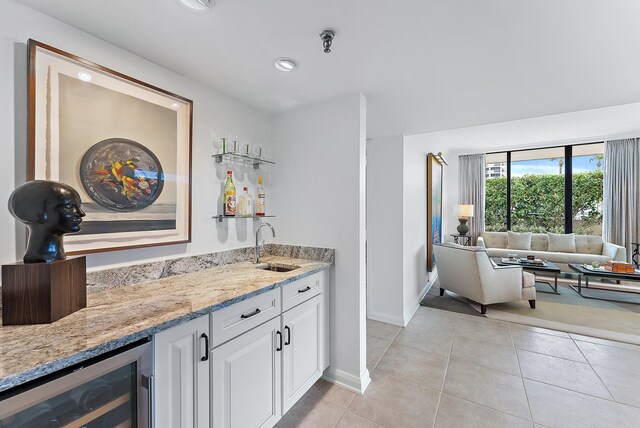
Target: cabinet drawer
{"points": [[301, 290], [240, 317]]}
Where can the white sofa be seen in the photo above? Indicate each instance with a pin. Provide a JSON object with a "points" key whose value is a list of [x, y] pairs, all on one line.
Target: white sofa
{"points": [[469, 272], [589, 248]]}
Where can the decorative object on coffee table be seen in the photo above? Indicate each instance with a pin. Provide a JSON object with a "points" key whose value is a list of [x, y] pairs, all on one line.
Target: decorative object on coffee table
{"points": [[45, 286], [465, 212]]}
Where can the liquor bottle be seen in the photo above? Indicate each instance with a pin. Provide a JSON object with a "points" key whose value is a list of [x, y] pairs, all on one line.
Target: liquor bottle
{"points": [[229, 195], [245, 204], [260, 198]]}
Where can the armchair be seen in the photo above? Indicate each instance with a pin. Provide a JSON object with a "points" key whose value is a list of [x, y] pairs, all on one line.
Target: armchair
{"points": [[469, 271]]}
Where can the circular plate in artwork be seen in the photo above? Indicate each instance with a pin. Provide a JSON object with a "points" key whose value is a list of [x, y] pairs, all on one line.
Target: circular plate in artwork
{"points": [[121, 175]]}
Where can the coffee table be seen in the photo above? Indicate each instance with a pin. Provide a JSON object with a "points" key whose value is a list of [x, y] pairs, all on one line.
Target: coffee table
{"points": [[586, 273], [550, 268]]}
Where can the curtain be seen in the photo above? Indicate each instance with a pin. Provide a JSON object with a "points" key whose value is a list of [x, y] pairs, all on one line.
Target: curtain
{"points": [[471, 180], [622, 192]]}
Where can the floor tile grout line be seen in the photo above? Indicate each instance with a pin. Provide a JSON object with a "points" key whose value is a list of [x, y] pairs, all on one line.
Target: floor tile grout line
{"points": [[420, 349], [364, 417], [444, 380], [625, 414], [596, 373], [488, 407], [408, 380], [637, 351], [383, 353], [486, 367], [341, 417], [526, 395], [585, 362], [572, 390], [518, 326]]}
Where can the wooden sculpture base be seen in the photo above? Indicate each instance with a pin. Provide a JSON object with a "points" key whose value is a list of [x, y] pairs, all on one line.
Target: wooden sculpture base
{"points": [[41, 293]]}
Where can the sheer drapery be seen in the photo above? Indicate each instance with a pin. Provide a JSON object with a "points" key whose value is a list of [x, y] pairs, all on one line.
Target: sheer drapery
{"points": [[622, 192], [471, 189]]}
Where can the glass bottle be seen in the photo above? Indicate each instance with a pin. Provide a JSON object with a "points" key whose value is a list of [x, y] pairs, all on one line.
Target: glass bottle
{"points": [[229, 195], [260, 198], [245, 207]]}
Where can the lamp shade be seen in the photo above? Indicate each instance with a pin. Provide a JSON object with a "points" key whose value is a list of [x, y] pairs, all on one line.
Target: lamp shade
{"points": [[465, 210]]}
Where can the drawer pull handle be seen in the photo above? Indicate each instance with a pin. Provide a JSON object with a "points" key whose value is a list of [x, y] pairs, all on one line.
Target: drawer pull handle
{"points": [[304, 290], [256, 312], [206, 347], [288, 339]]}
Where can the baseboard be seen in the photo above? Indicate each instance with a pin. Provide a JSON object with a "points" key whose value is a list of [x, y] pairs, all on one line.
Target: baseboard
{"points": [[386, 318], [416, 303], [347, 380]]}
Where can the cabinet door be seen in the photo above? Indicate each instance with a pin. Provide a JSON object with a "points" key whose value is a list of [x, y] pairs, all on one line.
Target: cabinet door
{"points": [[245, 379], [303, 353], [181, 374]]}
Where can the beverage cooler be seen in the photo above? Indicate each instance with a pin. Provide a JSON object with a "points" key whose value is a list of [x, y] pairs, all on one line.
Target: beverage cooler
{"points": [[112, 392]]}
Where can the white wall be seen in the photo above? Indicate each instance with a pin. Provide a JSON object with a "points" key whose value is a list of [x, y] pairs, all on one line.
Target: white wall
{"points": [[416, 279], [384, 230], [213, 113], [320, 200]]}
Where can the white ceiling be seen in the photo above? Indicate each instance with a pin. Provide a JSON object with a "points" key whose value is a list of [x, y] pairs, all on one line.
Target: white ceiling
{"points": [[424, 65]]}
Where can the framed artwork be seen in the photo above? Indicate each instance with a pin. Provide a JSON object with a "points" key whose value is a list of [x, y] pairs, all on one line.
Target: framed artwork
{"points": [[123, 144], [434, 208]]}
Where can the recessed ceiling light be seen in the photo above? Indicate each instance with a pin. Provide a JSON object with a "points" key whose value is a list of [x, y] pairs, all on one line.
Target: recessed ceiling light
{"points": [[84, 76], [175, 106], [198, 5], [285, 64]]}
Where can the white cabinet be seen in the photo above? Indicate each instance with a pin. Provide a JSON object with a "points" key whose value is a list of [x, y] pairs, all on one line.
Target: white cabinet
{"points": [[303, 352], [265, 353], [245, 379], [181, 375]]}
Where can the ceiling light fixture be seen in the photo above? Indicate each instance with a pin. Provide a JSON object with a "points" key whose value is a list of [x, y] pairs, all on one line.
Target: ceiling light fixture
{"points": [[84, 76], [198, 5], [285, 64]]}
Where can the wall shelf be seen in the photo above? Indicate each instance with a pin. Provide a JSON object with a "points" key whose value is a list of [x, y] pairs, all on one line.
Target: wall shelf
{"points": [[236, 157], [221, 217]]}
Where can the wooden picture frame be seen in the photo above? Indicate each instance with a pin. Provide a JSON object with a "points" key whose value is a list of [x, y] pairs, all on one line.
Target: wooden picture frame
{"points": [[123, 144], [434, 208]]}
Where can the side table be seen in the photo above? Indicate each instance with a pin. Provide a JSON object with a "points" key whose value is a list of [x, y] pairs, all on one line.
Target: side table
{"points": [[462, 239]]}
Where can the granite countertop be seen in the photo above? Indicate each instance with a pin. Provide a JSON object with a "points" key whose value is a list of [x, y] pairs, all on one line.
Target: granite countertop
{"points": [[119, 316]]}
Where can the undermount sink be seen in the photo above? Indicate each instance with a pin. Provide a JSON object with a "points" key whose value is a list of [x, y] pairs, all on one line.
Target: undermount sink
{"points": [[277, 268]]}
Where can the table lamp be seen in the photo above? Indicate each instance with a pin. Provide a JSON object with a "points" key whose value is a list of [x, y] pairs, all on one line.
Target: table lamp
{"points": [[465, 212]]}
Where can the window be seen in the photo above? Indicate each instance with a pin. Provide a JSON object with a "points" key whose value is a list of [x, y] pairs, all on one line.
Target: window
{"points": [[537, 190], [496, 192], [557, 190], [588, 166]]}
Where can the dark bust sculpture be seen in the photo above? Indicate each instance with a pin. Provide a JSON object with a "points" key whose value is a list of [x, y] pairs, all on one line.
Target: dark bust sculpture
{"points": [[50, 210]]}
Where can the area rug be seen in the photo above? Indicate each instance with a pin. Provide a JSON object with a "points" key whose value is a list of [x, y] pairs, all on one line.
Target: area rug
{"points": [[567, 311]]}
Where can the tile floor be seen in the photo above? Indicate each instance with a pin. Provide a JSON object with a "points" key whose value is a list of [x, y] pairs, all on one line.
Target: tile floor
{"points": [[448, 369]]}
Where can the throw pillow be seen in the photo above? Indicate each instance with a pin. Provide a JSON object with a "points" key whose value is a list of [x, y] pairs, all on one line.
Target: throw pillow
{"points": [[518, 241], [562, 243]]}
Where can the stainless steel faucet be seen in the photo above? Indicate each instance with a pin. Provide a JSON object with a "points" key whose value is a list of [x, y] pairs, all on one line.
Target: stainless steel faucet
{"points": [[257, 259]]}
